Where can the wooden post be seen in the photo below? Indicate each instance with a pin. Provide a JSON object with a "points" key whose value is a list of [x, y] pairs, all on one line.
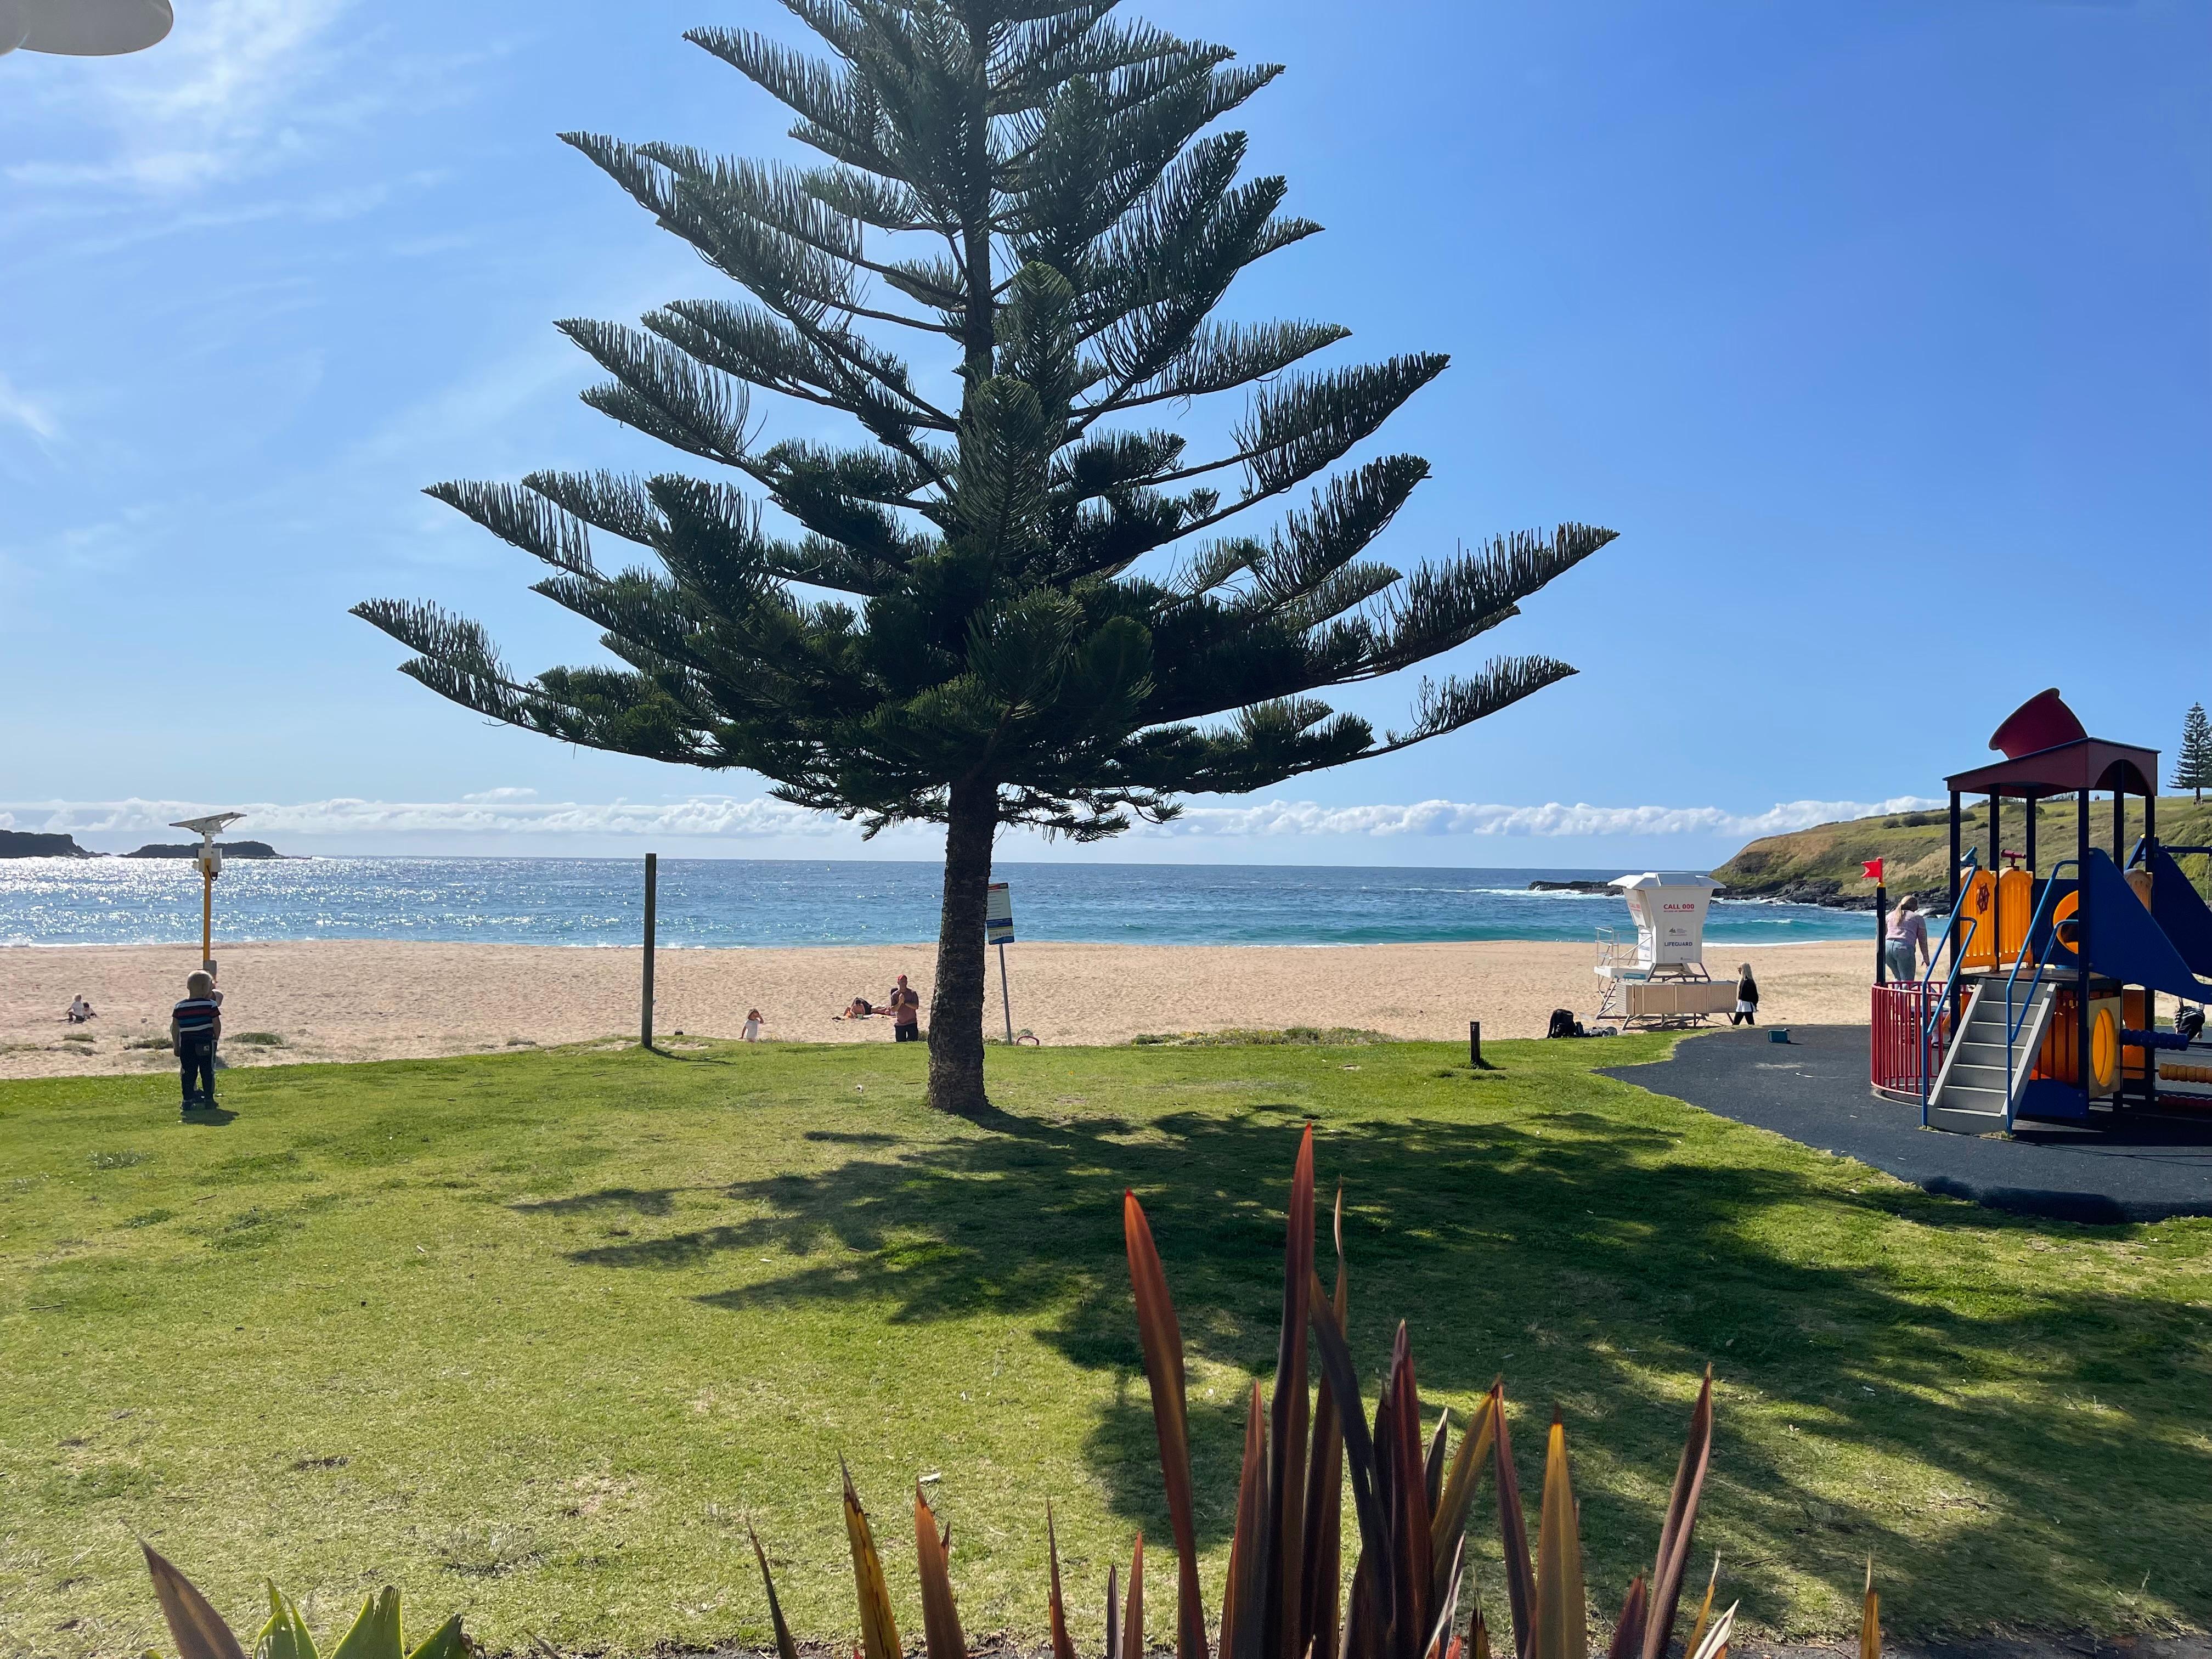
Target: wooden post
{"points": [[1474, 1043], [645, 1014]]}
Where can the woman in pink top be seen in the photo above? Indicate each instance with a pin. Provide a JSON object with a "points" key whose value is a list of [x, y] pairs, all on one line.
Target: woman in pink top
{"points": [[1906, 945]]}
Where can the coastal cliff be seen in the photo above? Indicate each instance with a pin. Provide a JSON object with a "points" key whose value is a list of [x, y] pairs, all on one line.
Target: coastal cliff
{"points": [[230, 849], [24, 844], [1822, 865]]}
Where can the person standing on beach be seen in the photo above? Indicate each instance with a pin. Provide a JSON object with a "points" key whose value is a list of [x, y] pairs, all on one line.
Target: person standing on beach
{"points": [[1906, 943], [195, 1027], [1747, 998], [906, 1012]]}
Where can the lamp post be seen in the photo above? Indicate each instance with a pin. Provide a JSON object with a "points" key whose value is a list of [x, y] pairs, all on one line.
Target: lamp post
{"points": [[84, 28], [209, 860]]}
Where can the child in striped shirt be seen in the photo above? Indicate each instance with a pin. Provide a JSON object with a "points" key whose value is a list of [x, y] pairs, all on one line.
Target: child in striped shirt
{"points": [[195, 1026]]}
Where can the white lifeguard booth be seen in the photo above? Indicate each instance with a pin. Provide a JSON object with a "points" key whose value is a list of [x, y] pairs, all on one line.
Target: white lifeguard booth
{"points": [[1660, 979]]}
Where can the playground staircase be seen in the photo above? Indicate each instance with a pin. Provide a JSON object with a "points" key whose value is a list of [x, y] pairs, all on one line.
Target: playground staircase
{"points": [[1970, 1095]]}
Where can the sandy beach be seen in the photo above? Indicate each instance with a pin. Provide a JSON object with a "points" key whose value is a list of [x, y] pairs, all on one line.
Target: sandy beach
{"points": [[381, 1000]]}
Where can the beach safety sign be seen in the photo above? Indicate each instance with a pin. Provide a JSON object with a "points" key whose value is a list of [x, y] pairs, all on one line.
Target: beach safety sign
{"points": [[998, 914]]}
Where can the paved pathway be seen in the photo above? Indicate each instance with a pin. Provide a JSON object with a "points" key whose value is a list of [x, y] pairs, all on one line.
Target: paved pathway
{"points": [[1815, 1090]]}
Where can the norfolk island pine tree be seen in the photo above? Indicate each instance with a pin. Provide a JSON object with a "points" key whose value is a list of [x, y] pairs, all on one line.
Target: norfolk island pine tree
{"points": [[978, 621], [2192, 767]]}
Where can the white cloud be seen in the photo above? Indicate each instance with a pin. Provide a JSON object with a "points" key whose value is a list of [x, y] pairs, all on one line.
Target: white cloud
{"points": [[1446, 818], [513, 811], [26, 411], [221, 94]]}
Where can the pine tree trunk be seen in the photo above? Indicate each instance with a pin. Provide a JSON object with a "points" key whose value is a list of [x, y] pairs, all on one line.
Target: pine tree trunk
{"points": [[955, 999]]}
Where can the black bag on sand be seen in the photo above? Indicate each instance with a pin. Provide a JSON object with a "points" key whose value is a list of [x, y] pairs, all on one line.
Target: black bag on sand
{"points": [[1563, 1024]]}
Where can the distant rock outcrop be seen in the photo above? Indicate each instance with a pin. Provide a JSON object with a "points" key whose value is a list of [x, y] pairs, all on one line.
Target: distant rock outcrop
{"points": [[1570, 887], [230, 849], [23, 844]]}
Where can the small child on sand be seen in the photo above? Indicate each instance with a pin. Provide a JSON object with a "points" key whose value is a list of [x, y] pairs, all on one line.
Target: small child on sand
{"points": [[195, 1027], [752, 1025]]}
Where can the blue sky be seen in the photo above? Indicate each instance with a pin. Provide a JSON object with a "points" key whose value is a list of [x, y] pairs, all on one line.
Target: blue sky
{"points": [[1879, 332]]}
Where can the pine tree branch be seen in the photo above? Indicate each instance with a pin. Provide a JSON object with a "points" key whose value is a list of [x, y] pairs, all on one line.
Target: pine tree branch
{"points": [[1297, 430], [661, 391], [526, 518], [1221, 357]]}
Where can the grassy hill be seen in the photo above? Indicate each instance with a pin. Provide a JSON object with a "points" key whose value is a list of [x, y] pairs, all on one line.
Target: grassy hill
{"points": [[1807, 864]]}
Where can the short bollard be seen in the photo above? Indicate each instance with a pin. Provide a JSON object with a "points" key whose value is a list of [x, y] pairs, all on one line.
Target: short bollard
{"points": [[1474, 1042]]}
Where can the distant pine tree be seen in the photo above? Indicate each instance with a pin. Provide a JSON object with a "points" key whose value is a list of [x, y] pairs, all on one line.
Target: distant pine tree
{"points": [[2192, 768], [976, 624]]}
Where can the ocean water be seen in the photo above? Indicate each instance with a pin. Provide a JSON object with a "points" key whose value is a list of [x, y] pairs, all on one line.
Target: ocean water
{"points": [[745, 902]]}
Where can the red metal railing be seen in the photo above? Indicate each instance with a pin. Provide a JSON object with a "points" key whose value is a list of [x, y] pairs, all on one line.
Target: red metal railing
{"points": [[1900, 1019]]}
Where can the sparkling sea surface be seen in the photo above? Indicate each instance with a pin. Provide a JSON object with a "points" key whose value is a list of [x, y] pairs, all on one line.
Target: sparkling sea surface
{"points": [[747, 901]]}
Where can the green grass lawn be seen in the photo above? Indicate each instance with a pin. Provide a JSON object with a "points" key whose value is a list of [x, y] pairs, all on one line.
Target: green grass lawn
{"points": [[533, 1335]]}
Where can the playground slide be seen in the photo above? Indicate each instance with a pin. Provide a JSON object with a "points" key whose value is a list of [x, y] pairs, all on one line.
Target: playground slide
{"points": [[2181, 915], [2128, 942]]}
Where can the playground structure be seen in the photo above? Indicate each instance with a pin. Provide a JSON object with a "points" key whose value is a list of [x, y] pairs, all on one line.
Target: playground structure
{"points": [[1660, 982], [2049, 1008]]}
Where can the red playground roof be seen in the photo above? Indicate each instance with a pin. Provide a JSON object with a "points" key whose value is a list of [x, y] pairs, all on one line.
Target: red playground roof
{"points": [[2047, 752]]}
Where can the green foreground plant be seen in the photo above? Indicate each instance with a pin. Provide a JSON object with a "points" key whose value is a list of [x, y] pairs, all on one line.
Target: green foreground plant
{"points": [[1284, 1597], [200, 1632]]}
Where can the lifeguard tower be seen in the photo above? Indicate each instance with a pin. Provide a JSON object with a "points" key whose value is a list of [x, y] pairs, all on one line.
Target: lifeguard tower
{"points": [[1659, 982]]}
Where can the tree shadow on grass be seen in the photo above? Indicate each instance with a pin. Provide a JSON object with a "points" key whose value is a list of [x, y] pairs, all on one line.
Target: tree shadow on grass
{"points": [[1598, 1265]]}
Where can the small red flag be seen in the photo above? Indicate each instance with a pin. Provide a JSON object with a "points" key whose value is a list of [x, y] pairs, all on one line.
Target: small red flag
{"points": [[1873, 869]]}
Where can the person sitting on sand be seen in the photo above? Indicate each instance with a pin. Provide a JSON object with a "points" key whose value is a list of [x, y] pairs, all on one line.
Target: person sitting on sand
{"points": [[906, 1012], [79, 1011], [752, 1025], [1747, 998], [195, 1027], [857, 1008]]}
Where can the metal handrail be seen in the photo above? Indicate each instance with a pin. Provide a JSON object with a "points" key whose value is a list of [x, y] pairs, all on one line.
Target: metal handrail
{"points": [[2042, 962], [1950, 985], [1970, 859]]}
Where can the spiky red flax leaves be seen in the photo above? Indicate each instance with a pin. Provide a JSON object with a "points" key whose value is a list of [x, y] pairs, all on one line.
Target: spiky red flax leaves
{"points": [[785, 1647], [879, 1637], [940, 1618], [1288, 1421], [196, 1627], [1512, 1529], [1321, 1547], [1562, 1616], [1063, 1646], [1244, 1596], [1673, 1557], [1161, 1338]]}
